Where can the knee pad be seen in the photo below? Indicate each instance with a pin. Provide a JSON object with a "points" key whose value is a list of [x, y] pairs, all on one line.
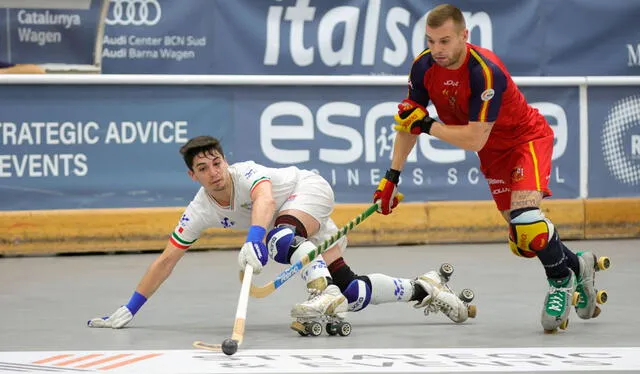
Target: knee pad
{"points": [[358, 294], [292, 222], [529, 232], [279, 241]]}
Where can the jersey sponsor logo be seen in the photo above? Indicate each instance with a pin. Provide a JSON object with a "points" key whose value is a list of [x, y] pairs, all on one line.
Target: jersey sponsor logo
{"points": [[134, 13], [620, 146], [247, 205], [487, 94], [184, 220], [451, 82], [495, 181]]}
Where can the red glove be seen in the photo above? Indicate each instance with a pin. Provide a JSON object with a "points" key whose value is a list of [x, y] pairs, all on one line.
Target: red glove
{"points": [[412, 118], [386, 195]]}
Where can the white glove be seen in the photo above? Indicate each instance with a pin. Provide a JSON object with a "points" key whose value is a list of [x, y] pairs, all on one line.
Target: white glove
{"points": [[117, 320], [254, 254]]}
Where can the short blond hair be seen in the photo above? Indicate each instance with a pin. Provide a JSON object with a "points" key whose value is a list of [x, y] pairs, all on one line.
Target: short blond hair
{"points": [[444, 12]]}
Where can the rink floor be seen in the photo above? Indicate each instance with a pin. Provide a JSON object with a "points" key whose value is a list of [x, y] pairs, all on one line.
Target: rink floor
{"points": [[45, 303]]}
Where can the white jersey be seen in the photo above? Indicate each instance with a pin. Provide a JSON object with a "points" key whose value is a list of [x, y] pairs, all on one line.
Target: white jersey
{"points": [[204, 212]]}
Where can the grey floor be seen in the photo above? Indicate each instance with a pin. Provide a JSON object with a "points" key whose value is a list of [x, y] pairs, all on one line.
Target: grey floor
{"points": [[46, 301]]}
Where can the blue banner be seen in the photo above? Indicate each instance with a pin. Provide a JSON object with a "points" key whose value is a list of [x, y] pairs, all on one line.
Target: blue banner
{"points": [[38, 36], [311, 37], [68, 147], [614, 141]]}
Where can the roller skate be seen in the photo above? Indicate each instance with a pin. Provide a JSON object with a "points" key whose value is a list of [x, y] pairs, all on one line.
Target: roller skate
{"points": [[326, 306], [588, 295], [557, 303], [440, 297]]}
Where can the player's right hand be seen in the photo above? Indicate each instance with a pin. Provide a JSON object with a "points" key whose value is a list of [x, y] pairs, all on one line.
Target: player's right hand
{"points": [[118, 319], [386, 195], [254, 251]]}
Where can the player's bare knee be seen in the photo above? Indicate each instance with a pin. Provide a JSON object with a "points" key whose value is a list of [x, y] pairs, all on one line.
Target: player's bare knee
{"points": [[529, 231]]}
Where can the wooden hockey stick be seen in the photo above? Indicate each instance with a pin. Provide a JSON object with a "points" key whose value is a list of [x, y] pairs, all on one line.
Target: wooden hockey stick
{"points": [[267, 289], [241, 315]]}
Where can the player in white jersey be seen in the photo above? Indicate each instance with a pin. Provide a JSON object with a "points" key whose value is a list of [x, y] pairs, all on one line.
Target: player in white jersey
{"points": [[295, 206]]}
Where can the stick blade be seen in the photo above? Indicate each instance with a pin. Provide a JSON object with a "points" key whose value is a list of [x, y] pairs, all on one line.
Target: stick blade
{"points": [[207, 346]]}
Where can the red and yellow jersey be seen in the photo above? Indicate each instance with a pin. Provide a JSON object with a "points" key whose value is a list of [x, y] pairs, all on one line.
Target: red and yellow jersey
{"points": [[480, 90]]}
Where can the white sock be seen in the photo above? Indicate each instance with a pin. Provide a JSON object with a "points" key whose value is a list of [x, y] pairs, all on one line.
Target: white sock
{"points": [[386, 289]]}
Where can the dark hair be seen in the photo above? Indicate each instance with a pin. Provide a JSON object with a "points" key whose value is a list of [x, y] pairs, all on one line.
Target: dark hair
{"points": [[442, 13], [200, 144]]}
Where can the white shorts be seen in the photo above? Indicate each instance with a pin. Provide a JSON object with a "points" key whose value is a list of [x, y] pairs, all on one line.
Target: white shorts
{"points": [[314, 196]]}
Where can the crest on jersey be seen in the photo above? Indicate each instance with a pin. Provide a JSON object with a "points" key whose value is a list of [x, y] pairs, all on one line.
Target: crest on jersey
{"points": [[487, 94], [226, 222], [517, 174]]}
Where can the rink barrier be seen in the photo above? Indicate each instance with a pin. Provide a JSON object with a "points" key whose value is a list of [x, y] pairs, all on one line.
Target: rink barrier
{"points": [[148, 229]]}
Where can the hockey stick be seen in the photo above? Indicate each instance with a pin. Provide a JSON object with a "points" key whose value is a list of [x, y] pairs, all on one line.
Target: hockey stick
{"points": [[267, 289], [241, 315]]}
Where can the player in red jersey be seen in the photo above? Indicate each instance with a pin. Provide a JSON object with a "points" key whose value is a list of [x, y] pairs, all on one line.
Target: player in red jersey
{"points": [[482, 110]]}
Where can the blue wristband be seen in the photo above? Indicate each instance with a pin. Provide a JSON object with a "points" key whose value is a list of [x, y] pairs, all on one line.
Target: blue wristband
{"points": [[136, 302], [256, 233]]}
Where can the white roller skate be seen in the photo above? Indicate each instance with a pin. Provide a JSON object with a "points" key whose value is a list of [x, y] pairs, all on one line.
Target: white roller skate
{"points": [[326, 305], [440, 297], [588, 296], [557, 303]]}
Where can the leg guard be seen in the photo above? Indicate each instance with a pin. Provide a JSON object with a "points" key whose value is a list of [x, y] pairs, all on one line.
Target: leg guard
{"points": [[279, 241], [285, 238], [529, 232], [358, 294]]}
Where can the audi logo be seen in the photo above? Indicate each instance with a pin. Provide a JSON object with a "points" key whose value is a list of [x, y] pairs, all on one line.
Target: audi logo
{"points": [[134, 13]]}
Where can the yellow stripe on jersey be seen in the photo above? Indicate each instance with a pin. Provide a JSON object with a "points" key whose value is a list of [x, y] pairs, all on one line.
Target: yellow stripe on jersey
{"points": [[535, 165], [488, 84], [422, 54]]}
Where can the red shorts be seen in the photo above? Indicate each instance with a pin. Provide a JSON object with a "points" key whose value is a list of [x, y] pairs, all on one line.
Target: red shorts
{"points": [[524, 167]]}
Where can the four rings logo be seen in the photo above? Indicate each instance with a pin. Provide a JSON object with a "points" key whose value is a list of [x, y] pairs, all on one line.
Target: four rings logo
{"points": [[134, 13]]}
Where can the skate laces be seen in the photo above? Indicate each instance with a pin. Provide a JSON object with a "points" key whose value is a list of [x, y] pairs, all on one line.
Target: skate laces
{"points": [[556, 299], [314, 293]]}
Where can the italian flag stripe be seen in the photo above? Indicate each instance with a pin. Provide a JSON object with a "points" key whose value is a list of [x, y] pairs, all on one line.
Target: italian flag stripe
{"points": [[257, 182], [180, 240], [178, 245]]}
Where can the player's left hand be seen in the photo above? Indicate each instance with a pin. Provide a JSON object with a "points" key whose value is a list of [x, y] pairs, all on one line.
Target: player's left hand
{"points": [[254, 251], [412, 118]]}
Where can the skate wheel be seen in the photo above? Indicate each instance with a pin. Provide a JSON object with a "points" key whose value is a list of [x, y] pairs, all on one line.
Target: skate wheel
{"points": [[596, 312], [564, 324], [344, 329], [467, 295], [603, 263], [299, 327], [574, 298], [471, 311], [601, 297], [446, 270], [314, 328], [331, 329]]}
